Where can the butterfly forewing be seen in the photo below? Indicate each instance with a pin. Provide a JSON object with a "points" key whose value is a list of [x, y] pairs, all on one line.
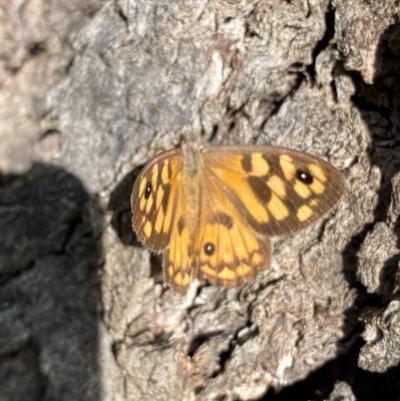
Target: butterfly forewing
{"points": [[154, 199], [278, 191]]}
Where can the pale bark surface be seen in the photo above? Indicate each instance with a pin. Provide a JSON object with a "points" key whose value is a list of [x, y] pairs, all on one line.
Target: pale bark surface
{"points": [[83, 311]]}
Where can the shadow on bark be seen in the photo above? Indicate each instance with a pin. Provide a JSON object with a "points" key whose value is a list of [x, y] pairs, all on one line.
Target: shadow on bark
{"points": [[49, 293]]}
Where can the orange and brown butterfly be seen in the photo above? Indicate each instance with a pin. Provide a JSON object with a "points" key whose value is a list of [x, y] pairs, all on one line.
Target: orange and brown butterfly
{"points": [[212, 211]]}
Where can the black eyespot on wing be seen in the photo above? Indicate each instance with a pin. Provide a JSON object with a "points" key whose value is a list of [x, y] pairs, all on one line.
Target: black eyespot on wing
{"points": [[304, 176], [148, 190], [209, 249]]}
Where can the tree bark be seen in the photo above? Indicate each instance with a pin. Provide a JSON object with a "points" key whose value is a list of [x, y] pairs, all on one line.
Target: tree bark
{"points": [[92, 90]]}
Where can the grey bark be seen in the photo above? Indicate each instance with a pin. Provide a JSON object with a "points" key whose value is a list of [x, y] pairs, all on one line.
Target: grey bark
{"points": [[83, 311]]}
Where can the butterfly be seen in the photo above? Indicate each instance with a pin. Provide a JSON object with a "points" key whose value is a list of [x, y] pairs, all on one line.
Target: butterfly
{"points": [[212, 211]]}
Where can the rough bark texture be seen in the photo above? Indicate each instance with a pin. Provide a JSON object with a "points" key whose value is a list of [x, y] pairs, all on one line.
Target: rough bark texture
{"points": [[83, 312]]}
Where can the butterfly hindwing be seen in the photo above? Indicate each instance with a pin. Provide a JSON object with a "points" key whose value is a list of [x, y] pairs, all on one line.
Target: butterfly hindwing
{"points": [[178, 257], [278, 191], [227, 253], [154, 199]]}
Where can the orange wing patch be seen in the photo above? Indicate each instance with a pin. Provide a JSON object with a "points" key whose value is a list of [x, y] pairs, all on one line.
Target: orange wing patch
{"points": [[153, 199], [178, 258], [227, 252]]}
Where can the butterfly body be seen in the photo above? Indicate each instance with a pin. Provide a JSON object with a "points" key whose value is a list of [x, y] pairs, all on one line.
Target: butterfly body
{"points": [[211, 211], [190, 185]]}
